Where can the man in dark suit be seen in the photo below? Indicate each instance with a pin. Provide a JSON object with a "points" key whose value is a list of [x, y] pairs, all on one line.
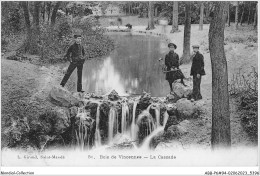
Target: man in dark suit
{"points": [[75, 55], [197, 70]]}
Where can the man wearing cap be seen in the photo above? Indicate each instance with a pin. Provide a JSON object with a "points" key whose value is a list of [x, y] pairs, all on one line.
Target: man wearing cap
{"points": [[197, 70], [75, 55], [173, 72]]}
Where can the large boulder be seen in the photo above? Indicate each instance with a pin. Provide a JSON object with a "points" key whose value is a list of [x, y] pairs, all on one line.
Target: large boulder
{"points": [[172, 98], [62, 97], [174, 132], [145, 101], [113, 95], [185, 108], [182, 91]]}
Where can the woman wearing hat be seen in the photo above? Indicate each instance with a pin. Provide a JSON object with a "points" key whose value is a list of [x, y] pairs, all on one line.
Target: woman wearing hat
{"points": [[75, 55], [197, 70], [172, 66]]}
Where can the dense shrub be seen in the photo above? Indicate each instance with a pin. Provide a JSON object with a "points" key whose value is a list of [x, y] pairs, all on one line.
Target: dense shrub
{"points": [[56, 40], [94, 38], [245, 89]]}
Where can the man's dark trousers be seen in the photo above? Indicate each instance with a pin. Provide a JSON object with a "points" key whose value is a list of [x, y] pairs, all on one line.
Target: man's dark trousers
{"points": [[196, 88], [71, 68]]}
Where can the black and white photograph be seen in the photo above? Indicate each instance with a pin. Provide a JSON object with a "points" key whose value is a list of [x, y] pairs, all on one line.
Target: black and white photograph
{"points": [[129, 84]]}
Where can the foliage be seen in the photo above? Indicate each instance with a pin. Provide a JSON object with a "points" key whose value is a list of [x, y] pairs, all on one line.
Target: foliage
{"points": [[96, 42], [242, 39], [55, 41], [245, 88]]}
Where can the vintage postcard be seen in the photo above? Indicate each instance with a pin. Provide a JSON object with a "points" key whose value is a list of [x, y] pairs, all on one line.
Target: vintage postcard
{"points": [[129, 84]]}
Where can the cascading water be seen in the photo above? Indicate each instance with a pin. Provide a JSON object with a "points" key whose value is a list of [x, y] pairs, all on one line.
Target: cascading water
{"points": [[165, 118], [97, 133], [147, 141], [150, 126], [125, 118], [133, 132], [112, 124], [157, 115]]}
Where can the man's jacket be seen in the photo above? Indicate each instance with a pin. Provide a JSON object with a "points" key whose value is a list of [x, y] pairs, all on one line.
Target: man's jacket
{"points": [[75, 53], [197, 66]]}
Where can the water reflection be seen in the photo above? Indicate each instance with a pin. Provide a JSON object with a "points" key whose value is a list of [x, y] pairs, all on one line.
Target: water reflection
{"points": [[131, 68]]}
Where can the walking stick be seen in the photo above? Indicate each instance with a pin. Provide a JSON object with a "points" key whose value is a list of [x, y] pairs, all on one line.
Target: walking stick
{"points": [[164, 68]]}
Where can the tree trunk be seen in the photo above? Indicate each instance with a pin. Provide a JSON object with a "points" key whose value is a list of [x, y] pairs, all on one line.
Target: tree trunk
{"points": [[26, 15], [236, 15], [255, 17], [249, 13], [187, 28], [201, 16], [242, 15], [54, 12], [220, 135], [150, 14], [43, 11], [36, 15], [30, 43], [228, 14], [156, 11], [175, 13], [49, 10]]}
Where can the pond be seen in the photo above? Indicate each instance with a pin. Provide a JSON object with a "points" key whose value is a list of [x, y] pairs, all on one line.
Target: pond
{"points": [[133, 67]]}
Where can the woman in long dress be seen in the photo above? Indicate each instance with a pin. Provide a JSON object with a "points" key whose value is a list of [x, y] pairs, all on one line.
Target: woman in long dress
{"points": [[172, 66]]}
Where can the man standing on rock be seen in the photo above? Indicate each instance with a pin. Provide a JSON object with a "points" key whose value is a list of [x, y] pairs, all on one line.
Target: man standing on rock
{"points": [[75, 55], [197, 70], [173, 72]]}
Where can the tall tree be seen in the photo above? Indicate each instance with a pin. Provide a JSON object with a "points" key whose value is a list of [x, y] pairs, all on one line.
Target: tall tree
{"points": [[255, 17], [249, 13], [48, 10], [236, 15], [201, 16], [26, 15], [54, 12], [187, 28], [43, 11], [243, 12], [150, 14], [36, 15], [228, 14], [175, 14], [220, 136]]}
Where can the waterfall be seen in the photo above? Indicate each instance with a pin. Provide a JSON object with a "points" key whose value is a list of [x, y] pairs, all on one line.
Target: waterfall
{"points": [[165, 118], [150, 121], [133, 132], [148, 139], [112, 123], [157, 115], [97, 133], [125, 118]]}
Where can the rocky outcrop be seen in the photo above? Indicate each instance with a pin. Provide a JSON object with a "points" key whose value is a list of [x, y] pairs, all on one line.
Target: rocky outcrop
{"points": [[62, 97], [113, 96], [182, 91], [76, 116], [185, 108]]}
